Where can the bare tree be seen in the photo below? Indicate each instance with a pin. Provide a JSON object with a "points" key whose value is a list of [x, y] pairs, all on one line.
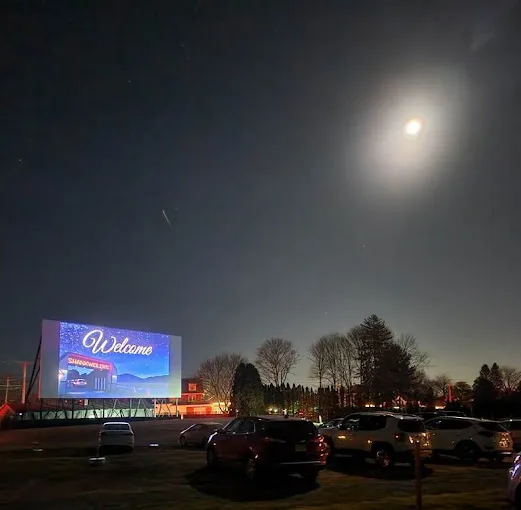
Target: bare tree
{"points": [[419, 359], [276, 358], [333, 361], [441, 384], [511, 378], [318, 358], [217, 375]]}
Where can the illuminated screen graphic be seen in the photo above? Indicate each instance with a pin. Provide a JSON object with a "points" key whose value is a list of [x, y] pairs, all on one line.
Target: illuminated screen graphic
{"points": [[82, 361]]}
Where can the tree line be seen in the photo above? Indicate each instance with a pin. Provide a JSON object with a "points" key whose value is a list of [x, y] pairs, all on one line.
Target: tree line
{"points": [[365, 367]]}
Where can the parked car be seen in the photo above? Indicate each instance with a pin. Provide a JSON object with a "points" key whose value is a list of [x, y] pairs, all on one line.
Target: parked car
{"points": [[385, 437], [469, 438], [331, 423], [514, 482], [263, 445], [428, 415], [198, 434], [116, 435], [514, 427]]}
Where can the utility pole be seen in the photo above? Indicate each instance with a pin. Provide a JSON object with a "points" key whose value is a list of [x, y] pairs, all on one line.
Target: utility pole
{"points": [[24, 379], [7, 379]]}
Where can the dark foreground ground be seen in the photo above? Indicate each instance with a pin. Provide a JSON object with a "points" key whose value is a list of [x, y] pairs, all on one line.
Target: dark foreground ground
{"points": [[166, 477]]}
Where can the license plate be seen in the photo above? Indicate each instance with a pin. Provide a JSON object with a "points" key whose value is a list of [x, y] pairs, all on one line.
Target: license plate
{"points": [[300, 448]]}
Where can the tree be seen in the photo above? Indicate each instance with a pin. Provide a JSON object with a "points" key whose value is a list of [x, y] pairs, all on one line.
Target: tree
{"points": [[419, 359], [484, 372], [247, 391], [511, 379], [333, 359], [318, 359], [397, 373], [441, 385], [496, 378], [276, 358], [462, 392], [217, 374], [373, 338], [484, 393]]}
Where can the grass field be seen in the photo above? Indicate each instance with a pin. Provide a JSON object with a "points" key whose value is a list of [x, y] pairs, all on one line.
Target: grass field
{"points": [[168, 477]]}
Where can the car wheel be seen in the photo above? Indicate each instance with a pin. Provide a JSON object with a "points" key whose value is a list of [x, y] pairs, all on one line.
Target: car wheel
{"points": [[383, 457], [212, 461], [182, 442], [467, 451], [310, 478], [251, 470]]}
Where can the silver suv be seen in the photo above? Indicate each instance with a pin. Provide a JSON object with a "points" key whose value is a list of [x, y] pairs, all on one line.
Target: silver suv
{"points": [[385, 437]]}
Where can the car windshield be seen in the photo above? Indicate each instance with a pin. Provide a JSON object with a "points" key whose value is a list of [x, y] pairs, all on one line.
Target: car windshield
{"points": [[493, 426], [512, 425], [290, 430], [411, 425], [116, 426]]}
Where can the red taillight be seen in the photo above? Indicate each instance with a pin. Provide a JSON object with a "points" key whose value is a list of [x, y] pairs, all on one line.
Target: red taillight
{"points": [[486, 433], [318, 439]]}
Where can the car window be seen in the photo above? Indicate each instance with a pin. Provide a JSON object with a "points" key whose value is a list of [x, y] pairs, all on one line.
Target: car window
{"points": [[246, 427], [433, 424], [351, 424], [492, 426], [369, 423], [351, 421], [233, 425], [452, 424], [295, 430], [512, 425], [411, 425], [116, 426]]}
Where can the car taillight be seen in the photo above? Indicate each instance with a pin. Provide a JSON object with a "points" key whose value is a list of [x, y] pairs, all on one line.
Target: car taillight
{"points": [[486, 433], [318, 439]]}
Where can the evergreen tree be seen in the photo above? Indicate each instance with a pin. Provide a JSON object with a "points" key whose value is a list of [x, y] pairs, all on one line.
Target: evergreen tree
{"points": [[485, 396], [374, 341], [484, 372], [248, 391], [496, 378]]}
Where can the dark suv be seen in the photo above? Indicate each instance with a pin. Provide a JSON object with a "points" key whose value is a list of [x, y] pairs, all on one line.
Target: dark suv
{"points": [[265, 444]]}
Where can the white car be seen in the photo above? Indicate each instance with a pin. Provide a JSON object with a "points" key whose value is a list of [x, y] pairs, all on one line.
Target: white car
{"points": [[198, 434], [469, 438], [514, 427], [514, 482], [116, 434], [385, 437], [331, 423]]}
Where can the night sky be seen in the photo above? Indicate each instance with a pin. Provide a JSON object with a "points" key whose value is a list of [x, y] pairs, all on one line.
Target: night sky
{"points": [[270, 133]]}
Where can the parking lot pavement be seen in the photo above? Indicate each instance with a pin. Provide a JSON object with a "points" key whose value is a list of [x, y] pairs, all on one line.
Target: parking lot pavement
{"points": [[83, 436]]}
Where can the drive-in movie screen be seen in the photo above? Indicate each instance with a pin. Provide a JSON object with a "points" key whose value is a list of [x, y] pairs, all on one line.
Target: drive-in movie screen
{"points": [[83, 361]]}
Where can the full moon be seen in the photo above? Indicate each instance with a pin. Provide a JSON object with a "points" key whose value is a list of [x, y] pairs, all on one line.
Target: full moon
{"points": [[413, 128]]}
